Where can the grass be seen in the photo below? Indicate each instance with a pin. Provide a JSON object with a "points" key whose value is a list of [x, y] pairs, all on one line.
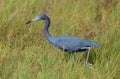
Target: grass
{"points": [[26, 54]]}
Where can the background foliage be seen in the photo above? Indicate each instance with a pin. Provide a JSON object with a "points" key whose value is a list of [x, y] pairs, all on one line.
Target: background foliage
{"points": [[26, 54]]}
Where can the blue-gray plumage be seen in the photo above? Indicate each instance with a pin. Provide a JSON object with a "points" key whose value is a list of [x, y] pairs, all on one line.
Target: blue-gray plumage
{"points": [[66, 43]]}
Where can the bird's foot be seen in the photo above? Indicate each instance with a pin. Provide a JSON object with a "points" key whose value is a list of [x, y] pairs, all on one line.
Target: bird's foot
{"points": [[90, 65]]}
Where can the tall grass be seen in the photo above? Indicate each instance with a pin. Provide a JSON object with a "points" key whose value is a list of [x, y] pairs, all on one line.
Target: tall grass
{"points": [[26, 54]]}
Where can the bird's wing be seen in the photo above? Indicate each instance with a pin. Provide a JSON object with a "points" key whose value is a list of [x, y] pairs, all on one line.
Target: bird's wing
{"points": [[72, 43]]}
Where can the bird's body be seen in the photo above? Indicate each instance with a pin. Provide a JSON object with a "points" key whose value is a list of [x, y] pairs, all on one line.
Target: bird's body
{"points": [[71, 44], [66, 43]]}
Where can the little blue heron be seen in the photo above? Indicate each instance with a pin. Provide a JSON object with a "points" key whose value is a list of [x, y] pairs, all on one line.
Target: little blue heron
{"points": [[68, 44]]}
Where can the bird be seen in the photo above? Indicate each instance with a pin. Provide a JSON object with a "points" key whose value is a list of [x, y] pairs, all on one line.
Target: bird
{"points": [[68, 44]]}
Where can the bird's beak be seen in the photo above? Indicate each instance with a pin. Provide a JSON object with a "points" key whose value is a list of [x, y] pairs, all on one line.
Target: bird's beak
{"points": [[33, 20], [28, 22]]}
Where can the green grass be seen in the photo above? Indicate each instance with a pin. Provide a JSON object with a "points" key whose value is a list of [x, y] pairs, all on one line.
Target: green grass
{"points": [[26, 54]]}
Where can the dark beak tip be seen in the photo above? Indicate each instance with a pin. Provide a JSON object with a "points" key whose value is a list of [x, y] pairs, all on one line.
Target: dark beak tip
{"points": [[28, 22]]}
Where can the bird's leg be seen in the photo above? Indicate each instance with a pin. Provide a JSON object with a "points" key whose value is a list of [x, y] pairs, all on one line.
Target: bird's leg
{"points": [[66, 57], [88, 64], [73, 57]]}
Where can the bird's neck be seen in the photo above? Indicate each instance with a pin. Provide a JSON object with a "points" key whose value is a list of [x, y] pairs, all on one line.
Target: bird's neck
{"points": [[46, 32]]}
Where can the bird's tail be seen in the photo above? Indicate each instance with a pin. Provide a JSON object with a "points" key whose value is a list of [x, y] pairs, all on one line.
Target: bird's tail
{"points": [[95, 44]]}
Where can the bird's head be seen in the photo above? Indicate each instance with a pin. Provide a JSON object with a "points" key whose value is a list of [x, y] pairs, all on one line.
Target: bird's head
{"points": [[40, 17]]}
